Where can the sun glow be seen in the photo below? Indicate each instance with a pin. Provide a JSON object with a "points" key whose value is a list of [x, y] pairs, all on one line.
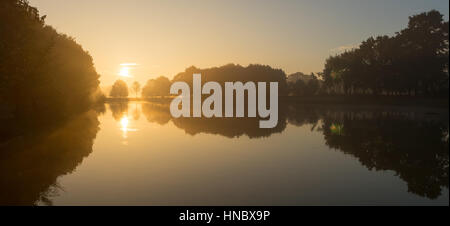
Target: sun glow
{"points": [[124, 71], [128, 64], [125, 126], [126, 68], [124, 122]]}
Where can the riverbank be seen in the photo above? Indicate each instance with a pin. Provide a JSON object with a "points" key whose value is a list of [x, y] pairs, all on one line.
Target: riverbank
{"points": [[371, 100], [334, 100]]}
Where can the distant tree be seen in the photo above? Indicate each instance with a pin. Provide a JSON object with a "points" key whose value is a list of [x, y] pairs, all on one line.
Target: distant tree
{"points": [[136, 87], [119, 89], [313, 86], [299, 88], [157, 87], [307, 85], [235, 72]]}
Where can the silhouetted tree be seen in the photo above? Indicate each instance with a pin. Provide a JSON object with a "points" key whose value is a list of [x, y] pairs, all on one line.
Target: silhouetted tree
{"points": [[300, 84], [425, 45], [302, 87], [43, 74], [119, 89], [413, 62], [233, 73]]}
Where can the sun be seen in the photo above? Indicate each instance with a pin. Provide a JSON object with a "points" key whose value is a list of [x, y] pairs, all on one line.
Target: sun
{"points": [[126, 68], [124, 71]]}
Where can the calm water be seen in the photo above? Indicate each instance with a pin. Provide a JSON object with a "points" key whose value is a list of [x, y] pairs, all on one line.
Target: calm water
{"points": [[136, 154]]}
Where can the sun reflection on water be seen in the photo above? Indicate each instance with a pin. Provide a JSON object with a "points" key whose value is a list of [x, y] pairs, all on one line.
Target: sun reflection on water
{"points": [[125, 126]]}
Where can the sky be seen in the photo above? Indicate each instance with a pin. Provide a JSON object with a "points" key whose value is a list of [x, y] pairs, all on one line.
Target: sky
{"points": [[136, 40]]}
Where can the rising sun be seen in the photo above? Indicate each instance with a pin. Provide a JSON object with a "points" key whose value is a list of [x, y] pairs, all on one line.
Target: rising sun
{"points": [[125, 69]]}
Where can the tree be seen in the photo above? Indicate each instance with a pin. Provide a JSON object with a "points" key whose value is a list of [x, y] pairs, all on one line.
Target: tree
{"points": [[136, 87], [157, 87], [42, 72], [119, 89], [313, 86], [297, 88], [425, 45], [235, 73], [304, 88], [412, 62]]}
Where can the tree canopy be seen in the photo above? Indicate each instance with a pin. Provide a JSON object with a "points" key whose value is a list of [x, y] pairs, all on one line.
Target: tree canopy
{"points": [[42, 72], [157, 87], [412, 62], [235, 72], [119, 89]]}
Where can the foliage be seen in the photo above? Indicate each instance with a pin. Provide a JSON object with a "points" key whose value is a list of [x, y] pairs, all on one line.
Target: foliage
{"points": [[233, 73], [42, 72], [413, 62], [303, 87], [119, 89], [157, 87]]}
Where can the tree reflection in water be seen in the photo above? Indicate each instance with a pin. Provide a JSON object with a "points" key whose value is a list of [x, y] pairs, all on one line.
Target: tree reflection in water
{"points": [[30, 165], [411, 142]]}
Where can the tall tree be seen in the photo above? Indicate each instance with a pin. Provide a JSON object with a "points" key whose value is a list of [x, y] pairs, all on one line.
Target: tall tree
{"points": [[412, 62], [42, 72], [136, 87], [425, 45]]}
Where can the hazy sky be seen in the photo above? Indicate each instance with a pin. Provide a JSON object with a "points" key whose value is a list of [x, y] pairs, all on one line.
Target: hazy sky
{"points": [[164, 37]]}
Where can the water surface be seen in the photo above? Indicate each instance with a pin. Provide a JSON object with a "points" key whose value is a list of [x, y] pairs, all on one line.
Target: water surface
{"points": [[137, 154]]}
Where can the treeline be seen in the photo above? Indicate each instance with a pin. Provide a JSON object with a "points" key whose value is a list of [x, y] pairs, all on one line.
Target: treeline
{"points": [[300, 84], [42, 73], [413, 62], [227, 73]]}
